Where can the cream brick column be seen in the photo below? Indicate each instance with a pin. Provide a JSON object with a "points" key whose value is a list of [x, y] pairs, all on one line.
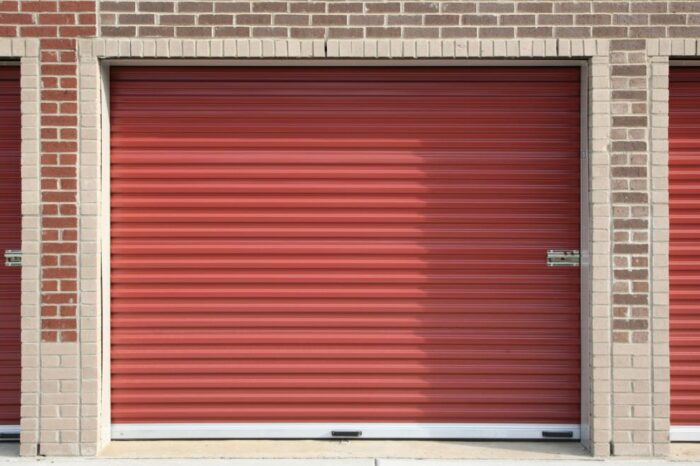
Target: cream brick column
{"points": [[660, 51], [658, 143], [90, 335], [59, 379], [596, 336]]}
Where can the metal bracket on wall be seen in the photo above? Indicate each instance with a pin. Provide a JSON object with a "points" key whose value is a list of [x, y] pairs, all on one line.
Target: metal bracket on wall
{"points": [[563, 258], [13, 258]]}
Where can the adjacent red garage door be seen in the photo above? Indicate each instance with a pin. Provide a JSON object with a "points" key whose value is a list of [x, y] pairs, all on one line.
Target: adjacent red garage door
{"points": [[10, 238], [297, 251], [684, 128]]}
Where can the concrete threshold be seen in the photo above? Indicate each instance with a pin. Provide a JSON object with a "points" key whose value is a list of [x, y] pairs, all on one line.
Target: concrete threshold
{"points": [[345, 449], [685, 451]]}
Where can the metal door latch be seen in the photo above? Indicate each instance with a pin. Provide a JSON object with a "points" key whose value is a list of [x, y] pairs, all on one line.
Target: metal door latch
{"points": [[563, 258], [13, 258], [346, 433]]}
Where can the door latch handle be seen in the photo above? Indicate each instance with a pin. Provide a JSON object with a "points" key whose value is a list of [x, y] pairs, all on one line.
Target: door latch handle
{"points": [[13, 258], [563, 258]]}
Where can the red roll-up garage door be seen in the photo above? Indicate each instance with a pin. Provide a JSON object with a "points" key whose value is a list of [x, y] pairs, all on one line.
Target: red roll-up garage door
{"points": [[298, 251], [684, 179], [10, 239]]}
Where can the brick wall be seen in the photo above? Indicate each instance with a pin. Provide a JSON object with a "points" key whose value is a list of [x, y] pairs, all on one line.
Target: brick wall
{"points": [[57, 25], [51, 417], [627, 23], [400, 19], [633, 367]]}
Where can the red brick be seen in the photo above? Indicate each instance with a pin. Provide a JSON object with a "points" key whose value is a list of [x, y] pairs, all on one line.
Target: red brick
{"points": [[405, 20], [59, 222], [269, 31], [177, 20], [116, 31], [48, 133], [366, 20], [421, 33], [69, 108], [77, 6], [58, 146], [56, 324], [307, 33], [345, 33], [441, 20], [458, 32], [39, 7], [329, 20], [49, 336], [497, 33], [572, 32], [306, 7], [194, 31], [349, 7], [157, 7], [216, 20], [58, 44], [77, 31], [479, 20], [59, 298], [535, 32], [69, 83], [136, 19], [87, 18], [390, 7], [49, 235], [69, 133], [60, 272], [117, 7], [68, 183], [535, 7], [57, 18], [421, 7], [9, 6], [58, 172], [68, 260], [459, 7], [68, 336], [195, 7], [383, 32], [68, 311], [517, 20], [16, 18], [291, 20], [224, 31], [496, 7], [269, 7], [38, 31], [59, 70], [236, 7]]}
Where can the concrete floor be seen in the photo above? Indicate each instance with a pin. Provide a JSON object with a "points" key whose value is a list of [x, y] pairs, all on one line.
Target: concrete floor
{"points": [[345, 449], [685, 451], [349, 453]]}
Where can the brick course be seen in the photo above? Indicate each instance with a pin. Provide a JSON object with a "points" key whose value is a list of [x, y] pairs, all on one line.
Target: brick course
{"points": [[628, 302]]}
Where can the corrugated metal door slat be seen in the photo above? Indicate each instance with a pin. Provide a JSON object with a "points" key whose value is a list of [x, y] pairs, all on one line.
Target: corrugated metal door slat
{"points": [[344, 245], [684, 191], [10, 238]]}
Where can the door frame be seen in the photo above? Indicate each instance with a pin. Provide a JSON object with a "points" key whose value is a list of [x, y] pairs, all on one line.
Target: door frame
{"points": [[322, 430], [678, 433], [11, 431]]}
